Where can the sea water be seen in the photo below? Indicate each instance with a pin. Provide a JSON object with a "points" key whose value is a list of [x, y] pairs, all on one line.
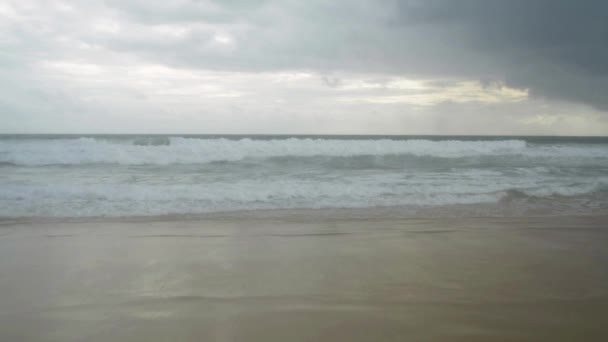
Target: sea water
{"points": [[150, 175]]}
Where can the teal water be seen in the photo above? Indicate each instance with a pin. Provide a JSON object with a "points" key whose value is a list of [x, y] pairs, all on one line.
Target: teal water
{"points": [[142, 175]]}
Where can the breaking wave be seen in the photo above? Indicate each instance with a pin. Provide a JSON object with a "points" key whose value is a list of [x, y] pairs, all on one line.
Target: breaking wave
{"points": [[156, 175], [63, 200], [178, 150]]}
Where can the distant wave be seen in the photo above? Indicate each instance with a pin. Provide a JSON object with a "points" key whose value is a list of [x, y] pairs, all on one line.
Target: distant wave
{"points": [[178, 150]]}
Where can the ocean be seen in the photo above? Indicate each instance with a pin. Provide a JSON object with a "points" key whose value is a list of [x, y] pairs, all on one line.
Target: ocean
{"points": [[410, 176]]}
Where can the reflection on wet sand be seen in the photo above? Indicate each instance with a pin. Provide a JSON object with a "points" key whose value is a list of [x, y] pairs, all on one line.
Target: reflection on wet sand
{"points": [[283, 280]]}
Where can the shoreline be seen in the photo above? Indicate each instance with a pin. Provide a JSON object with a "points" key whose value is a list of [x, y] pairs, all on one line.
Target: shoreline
{"points": [[314, 215]]}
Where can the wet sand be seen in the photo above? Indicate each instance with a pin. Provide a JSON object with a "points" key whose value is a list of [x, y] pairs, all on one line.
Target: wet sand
{"points": [[280, 279]]}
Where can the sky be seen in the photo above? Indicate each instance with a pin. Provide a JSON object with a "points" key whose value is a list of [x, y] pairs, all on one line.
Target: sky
{"points": [[510, 67]]}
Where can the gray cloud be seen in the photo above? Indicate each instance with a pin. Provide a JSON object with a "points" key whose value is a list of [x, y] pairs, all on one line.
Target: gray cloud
{"points": [[555, 48], [558, 49]]}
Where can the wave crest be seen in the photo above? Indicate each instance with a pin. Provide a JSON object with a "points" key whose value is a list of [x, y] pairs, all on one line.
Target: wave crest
{"points": [[179, 150]]}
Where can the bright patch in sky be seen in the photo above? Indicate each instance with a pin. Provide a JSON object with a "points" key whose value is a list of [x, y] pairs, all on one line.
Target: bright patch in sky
{"points": [[223, 39]]}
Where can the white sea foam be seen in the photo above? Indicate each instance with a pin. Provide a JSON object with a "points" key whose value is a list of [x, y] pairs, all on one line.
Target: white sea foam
{"points": [[190, 150], [86, 176], [77, 198]]}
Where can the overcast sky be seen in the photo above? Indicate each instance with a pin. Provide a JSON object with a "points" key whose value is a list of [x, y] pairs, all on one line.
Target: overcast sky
{"points": [[309, 67]]}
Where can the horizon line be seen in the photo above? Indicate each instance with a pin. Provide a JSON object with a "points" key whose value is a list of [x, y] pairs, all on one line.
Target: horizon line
{"points": [[313, 135]]}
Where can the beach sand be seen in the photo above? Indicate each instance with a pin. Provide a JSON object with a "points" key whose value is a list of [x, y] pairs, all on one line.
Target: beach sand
{"points": [[282, 279]]}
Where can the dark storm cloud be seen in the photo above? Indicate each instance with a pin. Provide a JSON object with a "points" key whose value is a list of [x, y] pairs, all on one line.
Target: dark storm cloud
{"points": [[557, 48], [571, 32]]}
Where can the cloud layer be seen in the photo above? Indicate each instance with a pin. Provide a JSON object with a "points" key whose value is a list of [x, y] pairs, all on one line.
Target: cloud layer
{"points": [[270, 66]]}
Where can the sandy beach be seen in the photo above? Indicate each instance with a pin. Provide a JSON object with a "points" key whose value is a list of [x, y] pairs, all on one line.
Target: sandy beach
{"points": [[281, 279]]}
